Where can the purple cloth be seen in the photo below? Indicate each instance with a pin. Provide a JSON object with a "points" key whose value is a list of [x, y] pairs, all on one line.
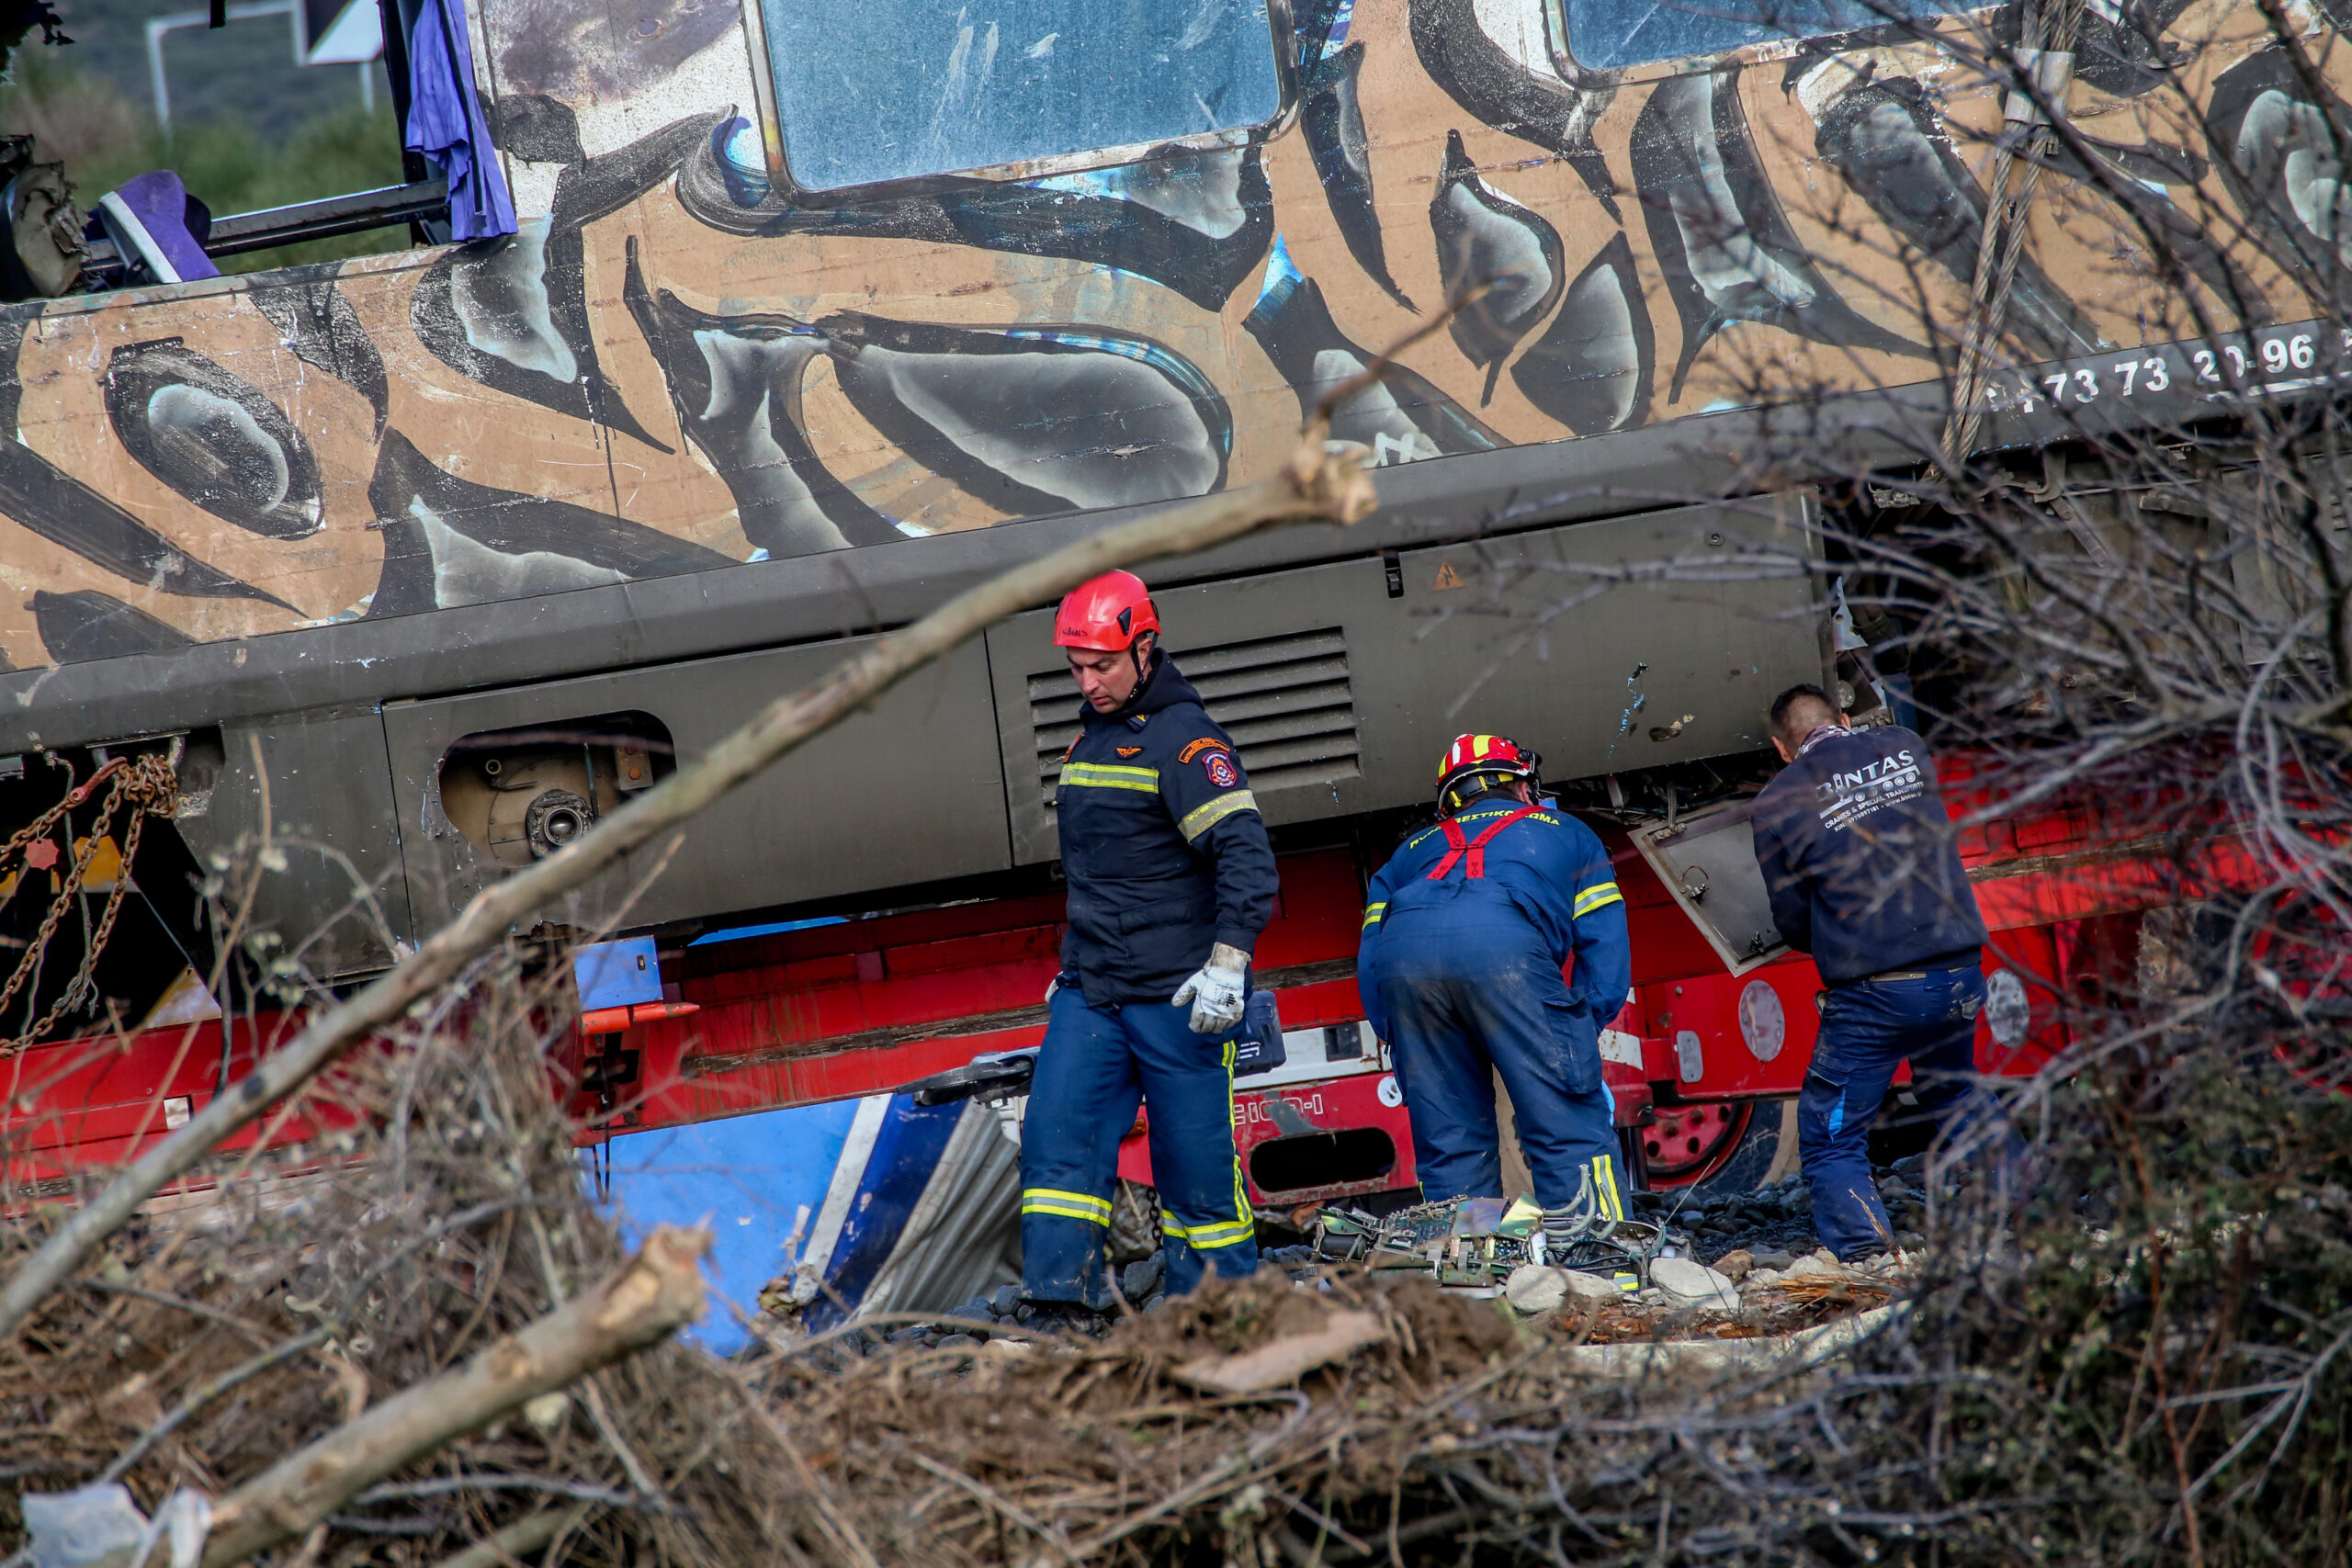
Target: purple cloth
{"points": [[445, 124], [147, 218]]}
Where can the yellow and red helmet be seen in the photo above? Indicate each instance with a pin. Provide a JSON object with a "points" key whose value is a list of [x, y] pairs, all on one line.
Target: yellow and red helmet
{"points": [[1105, 615], [1473, 756]]}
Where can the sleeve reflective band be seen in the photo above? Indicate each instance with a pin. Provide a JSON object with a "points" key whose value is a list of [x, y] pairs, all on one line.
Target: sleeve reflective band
{"points": [[1600, 894], [1197, 822], [1373, 913], [1104, 775]]}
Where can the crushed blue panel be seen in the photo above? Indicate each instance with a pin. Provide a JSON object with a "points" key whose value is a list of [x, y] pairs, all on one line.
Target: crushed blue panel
{"points": [[906, 1156], [748, 1178], [617, 974]]}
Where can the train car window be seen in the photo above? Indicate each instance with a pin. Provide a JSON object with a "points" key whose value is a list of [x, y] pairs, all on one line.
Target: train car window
{"points": [[875, 90], [1607, 34]]}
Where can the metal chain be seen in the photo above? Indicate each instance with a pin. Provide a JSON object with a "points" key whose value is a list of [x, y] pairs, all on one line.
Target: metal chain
{"points": [[2001, 238], [148, 783]]}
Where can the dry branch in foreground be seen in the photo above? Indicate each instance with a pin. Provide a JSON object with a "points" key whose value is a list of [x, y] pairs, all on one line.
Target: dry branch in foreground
{"points": [[653, 1294]]}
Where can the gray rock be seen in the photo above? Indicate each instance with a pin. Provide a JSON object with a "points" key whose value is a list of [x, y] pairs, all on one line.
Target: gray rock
{"points": [[1006, 1297], [1693, 1285], [1143, 1276], [910, 1334], [1590, 1287], [1775, 1257], [958, 1342], [1532, 1288], [974, 1311]]}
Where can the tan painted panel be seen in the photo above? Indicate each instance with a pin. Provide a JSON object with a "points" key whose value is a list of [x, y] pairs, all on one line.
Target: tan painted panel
{"points": [[654, 378]]}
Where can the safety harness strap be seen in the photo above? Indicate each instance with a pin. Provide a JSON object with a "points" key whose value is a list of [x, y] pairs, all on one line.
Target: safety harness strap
{"points": [[1460, 847]]}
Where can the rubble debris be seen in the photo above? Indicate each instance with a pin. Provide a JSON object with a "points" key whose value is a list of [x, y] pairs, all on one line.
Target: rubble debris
{"points": [[1533, 1289], [43, 256], [1593, 1287], [1687, 1283], [1285, 1360]]}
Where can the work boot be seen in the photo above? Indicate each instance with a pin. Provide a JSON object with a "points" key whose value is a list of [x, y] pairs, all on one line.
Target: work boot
{"points": [[1055, 1318]]}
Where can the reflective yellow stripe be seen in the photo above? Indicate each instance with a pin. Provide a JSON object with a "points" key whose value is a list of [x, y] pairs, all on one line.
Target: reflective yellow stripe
{"points": [[1104, 775], [1230, 1229], [1240, 1186], [1100, 1206], [1060, 1212], [1373, 913], [1211, 1234], [1604, 1188], [1600, 896], [1195, 823]]}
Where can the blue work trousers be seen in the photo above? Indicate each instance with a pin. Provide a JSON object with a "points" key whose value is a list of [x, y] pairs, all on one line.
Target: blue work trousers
{"points": [[1096, 1066], [1868, 1029], [1465, 1001]]}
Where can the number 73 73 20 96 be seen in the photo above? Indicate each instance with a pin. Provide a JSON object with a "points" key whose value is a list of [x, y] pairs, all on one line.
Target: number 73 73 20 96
{"points": [[2198, 367]]}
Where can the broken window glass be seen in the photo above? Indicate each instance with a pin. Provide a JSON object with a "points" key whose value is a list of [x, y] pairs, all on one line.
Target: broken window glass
{"points": [[874, 90], [1607, 34]]}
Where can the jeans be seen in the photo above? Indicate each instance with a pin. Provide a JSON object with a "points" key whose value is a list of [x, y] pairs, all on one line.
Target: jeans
{"points": [[1466, 1001], [1096, 1066], [1868, 1028]]}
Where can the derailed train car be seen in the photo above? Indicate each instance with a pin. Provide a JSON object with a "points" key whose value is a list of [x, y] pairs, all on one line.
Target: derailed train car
{"points": [[412, 566]]}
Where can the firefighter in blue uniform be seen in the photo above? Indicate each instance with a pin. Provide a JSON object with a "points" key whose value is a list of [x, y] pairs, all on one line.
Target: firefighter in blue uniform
{"points": [[1170, 880], [1465, 932]]}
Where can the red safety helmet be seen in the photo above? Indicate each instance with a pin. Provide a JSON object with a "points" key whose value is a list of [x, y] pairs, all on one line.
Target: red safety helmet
{"points": [[1106, 614], [1472, 756]]}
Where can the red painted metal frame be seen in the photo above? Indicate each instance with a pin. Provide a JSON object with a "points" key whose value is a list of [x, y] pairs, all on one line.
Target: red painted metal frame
{"points": [[1362, 1100], [855, 1009], [78, 1105], [860, 1008]]}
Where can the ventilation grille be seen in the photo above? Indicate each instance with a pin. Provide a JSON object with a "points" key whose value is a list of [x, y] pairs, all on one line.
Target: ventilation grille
{"points": [[1283, 700]]}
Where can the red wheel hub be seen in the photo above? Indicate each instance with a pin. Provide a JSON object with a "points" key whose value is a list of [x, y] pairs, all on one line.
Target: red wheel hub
{"points": [[1690, 1143], [2305, 968]]}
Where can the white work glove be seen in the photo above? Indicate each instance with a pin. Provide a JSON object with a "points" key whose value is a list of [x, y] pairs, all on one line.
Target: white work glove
{"points": [[1217, 991]]}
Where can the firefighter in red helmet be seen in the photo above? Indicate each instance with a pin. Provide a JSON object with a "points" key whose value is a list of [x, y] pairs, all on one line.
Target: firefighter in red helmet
{"points": [[1170, 880], [1465, 933]]}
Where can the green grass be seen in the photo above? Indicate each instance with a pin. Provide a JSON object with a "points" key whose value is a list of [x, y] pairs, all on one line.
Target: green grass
{"points": [[105, 140]]}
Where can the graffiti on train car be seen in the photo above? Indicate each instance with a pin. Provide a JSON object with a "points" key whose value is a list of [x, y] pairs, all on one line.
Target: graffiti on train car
{"points": [[685, 361]]}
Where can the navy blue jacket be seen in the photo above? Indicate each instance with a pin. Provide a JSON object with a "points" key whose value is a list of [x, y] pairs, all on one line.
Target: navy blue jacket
{"points": [[1547, 873], [1161, 842], [1858, 854]]}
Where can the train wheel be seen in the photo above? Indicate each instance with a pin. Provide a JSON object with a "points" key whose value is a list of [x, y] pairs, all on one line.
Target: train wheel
{"points": [[2305, 971], [1740, 1145], [1690, 1142]]}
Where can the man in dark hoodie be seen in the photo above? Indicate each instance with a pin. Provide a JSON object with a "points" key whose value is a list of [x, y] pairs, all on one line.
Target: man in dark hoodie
{"points": [[1858, 854], [1170, 880]]}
